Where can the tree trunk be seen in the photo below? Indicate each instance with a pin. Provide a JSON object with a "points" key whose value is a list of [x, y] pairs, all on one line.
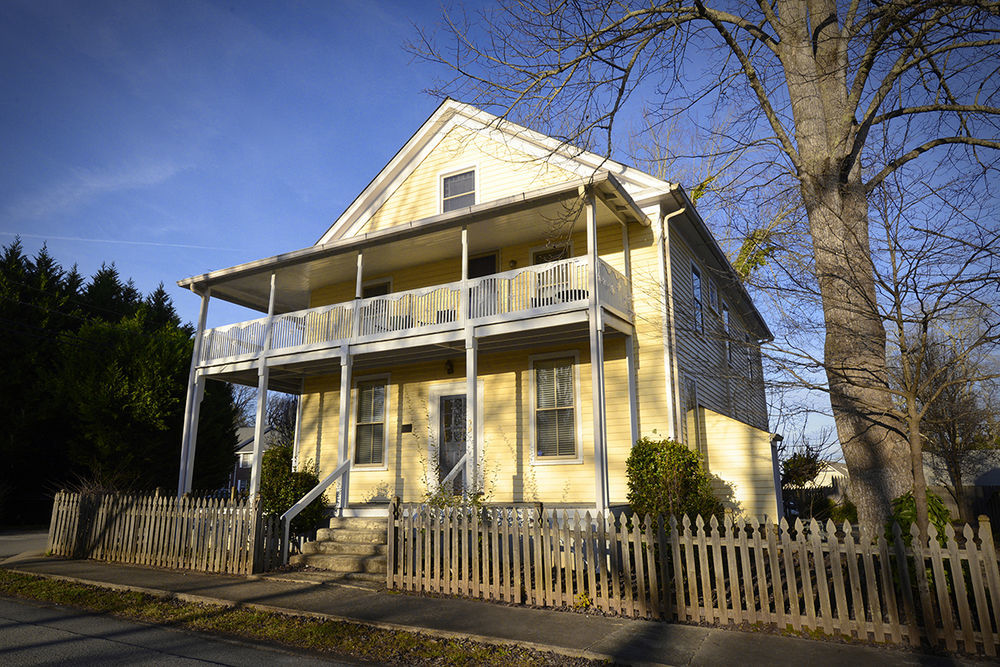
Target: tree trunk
{"points": [[877, 455], [837, 206], [958, 493], [917, 465]]}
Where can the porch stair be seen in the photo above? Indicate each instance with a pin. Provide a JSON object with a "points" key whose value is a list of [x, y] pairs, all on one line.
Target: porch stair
{"points": [[351, 549]]}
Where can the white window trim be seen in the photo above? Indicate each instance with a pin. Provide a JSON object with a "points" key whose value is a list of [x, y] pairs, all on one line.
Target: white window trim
{"points": [[434, 394], [375, 467], [543, 248], [556, 460], [477, 185]]}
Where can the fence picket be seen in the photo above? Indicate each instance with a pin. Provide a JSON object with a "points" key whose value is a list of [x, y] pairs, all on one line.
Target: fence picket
{"points": [[961, 595], [655, 591], [941, 586], [806, 576], [979, 590], [642, 608], [157, 530]]}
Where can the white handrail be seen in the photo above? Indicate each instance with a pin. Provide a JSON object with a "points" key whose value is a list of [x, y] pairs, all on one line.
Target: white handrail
{"points": [[314, 493], [454, 471], [529, 289]]}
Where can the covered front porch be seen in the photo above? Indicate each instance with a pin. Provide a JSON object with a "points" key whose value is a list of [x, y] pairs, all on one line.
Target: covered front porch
{"points": [[579, 298]]}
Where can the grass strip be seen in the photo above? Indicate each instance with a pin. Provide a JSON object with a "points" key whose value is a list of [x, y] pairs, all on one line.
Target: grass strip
{"points": [[300, 632]]}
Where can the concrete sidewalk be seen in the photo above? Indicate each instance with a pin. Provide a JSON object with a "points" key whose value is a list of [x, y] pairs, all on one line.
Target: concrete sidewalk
{"points": [[620, 640]]}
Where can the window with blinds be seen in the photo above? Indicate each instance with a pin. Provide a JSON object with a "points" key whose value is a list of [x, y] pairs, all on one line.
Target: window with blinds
{"points": [[555, 420], [369, 439], [458, 191]]}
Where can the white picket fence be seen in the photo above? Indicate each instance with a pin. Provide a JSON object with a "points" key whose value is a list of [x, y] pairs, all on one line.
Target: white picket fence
{"points": [[836, 580], [207, 534]]}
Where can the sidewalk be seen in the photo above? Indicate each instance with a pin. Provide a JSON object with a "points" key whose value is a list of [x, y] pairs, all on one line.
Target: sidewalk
{"points": [[618, 639]]}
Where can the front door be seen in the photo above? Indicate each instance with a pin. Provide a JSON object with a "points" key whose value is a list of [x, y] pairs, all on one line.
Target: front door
{"points": [[451, 439]]}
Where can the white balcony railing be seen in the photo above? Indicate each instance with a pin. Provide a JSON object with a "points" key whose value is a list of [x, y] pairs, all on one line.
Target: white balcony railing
{"points": [[526, 292]]}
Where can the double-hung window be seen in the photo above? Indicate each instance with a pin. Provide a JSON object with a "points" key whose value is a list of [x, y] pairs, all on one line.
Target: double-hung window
{"points": [[555, 409], [369, 441], [699, 310], [458, 191]]}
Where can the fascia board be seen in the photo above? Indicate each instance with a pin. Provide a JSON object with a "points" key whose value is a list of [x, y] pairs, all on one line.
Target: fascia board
{"points": [[381, 183]]}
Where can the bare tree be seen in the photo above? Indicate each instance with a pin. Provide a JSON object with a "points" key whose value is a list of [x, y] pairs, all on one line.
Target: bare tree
{"points": [[961, 424], [833, 99]]}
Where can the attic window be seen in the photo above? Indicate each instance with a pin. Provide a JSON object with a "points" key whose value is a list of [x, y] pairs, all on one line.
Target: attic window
{"points": [[458, 191]]}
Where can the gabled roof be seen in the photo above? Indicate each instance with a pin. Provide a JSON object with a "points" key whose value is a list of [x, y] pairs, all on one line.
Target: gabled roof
{"points": [[451, 114]]}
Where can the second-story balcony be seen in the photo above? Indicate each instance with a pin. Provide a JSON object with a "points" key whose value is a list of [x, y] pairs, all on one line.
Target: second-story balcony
{"points": [[517, 295]]}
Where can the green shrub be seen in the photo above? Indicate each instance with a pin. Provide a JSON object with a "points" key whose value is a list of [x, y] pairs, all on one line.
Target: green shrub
{"points": [[904, 512], [280, 488], [665, 477]]}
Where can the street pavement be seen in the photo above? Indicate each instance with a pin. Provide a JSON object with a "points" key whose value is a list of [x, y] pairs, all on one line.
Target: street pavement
{"points": [[621, 640], [33, 634], [28, 542]]}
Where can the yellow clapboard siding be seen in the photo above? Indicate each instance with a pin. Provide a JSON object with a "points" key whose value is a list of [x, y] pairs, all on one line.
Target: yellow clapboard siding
{"points": [[741, 455], [501, 171]]}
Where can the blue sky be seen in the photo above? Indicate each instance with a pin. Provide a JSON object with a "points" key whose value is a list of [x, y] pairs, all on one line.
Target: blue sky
{"points": [[177, 137]]}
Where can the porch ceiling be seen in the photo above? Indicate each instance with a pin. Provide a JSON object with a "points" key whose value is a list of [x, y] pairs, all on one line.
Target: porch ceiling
{"points": [[491, 225]]}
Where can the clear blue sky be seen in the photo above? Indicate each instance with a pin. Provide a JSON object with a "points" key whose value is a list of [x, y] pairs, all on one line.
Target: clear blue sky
{"points": [[180, 136]]}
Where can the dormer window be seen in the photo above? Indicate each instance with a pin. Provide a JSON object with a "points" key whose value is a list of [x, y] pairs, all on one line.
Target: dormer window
{"points": [[458, 191]]}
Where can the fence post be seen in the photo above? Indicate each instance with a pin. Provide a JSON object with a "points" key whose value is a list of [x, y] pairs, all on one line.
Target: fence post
{"points": [[390, 570]]}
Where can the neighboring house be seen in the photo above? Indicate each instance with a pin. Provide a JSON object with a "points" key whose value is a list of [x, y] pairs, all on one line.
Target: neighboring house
{"points": [[501, 313], [240, 479]]}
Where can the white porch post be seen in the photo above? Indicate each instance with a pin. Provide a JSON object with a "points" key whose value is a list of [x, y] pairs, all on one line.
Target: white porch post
{"points": [[632, 365], [633, 390], [464, 300], [596, 322], [298, 426], [471, 414], [358, 290], [471, 373], [190, 432], [263, 373], [346, 363]]}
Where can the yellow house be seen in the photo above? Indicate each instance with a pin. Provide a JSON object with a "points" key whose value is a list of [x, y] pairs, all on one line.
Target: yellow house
{"points": [[498, 313]]}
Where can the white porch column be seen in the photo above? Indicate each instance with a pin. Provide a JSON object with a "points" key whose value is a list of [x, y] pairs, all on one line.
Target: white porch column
{"points": [[464, 299], [346, 363], [190, 433], [358, 290], [471, 414], [633, 390], [298, 426], [596, 322], [263, 373]]}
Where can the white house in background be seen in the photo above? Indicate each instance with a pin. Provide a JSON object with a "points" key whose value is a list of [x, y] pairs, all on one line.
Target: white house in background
{"points": [[499, 313], [240, 477]]}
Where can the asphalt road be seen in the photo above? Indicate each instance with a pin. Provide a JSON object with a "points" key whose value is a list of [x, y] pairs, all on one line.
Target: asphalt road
{"points": [[35, 634], [13, 543]]}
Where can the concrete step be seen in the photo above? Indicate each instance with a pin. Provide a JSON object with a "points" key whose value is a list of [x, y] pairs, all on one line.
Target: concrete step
{"points": [[363, 579], [373, 525], [350, 535], [349, 548], [342, 563]]}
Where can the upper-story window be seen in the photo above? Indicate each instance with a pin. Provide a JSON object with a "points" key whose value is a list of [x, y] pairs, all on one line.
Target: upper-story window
{"points": [[458, 191], [713, 295], [750, 357], [699, 309]]}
